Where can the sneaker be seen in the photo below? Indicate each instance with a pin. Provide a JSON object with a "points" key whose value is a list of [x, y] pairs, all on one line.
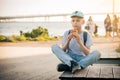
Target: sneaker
{"points": [[62, 67], [74, 66]]}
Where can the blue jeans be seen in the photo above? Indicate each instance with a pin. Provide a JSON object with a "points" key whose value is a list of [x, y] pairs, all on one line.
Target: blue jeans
{"points": [[83, 61]]}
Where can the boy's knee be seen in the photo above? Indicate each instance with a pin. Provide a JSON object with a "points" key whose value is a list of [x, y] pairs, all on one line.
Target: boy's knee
{"points": [[97, 53], [54, 47]]}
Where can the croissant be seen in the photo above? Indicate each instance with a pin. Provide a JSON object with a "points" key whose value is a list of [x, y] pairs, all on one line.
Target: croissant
{"points": [[74, 30]]}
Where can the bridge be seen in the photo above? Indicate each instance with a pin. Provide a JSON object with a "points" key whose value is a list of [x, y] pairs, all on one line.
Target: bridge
{"points": [[46, 17]]}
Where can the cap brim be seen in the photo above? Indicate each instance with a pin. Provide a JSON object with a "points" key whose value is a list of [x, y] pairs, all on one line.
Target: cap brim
{"points": [[77, 16]]}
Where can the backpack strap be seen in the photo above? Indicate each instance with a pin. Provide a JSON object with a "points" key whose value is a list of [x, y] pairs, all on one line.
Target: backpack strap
{"points": [[84, 36], [69, 32]]}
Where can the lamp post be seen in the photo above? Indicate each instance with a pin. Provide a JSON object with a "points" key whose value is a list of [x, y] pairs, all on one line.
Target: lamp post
{"points": [[113, 7]]}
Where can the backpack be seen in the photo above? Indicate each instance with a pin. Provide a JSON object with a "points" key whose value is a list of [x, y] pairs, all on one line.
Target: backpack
{"points": [[84, 36]]}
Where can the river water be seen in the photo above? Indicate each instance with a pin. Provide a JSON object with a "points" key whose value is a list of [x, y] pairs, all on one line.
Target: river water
{"points": [[54, 28]]}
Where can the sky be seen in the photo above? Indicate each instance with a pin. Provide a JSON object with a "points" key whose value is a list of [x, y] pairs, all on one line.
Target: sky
{"points": [[44, 7], [35, 7]]}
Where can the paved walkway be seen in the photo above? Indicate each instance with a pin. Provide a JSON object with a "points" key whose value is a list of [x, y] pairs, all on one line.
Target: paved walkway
{"points": [[43, 66]]}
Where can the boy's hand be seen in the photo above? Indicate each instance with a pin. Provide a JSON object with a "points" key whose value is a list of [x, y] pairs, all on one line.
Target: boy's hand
{"points": [[77, 37], [69, 37], [65, 46]]}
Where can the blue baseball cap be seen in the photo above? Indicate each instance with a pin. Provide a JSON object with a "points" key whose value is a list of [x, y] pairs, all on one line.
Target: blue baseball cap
{"points": [[77, 14]]}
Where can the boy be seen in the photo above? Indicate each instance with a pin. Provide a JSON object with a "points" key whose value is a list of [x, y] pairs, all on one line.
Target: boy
{"points": [[75, 54]]}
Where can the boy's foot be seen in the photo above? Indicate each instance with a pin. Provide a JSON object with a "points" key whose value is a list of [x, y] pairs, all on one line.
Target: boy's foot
{"points": [[74, 66], [63, 67]]}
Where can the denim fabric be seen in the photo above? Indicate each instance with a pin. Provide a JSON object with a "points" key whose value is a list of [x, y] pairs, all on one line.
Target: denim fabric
{"points": [[83, 61], [63, 56]]}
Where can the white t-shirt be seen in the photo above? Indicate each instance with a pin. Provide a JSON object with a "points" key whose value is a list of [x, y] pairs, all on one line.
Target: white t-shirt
{"points": [[74, 47]]}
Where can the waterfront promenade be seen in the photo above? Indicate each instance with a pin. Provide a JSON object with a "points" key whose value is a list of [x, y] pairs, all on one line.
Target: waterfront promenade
{"points": [[35, 61]]}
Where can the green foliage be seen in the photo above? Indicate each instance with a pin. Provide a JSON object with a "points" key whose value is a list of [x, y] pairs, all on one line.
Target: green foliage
{"points": [[27, 34], [3, 38], [13, 38], [39, 31], [21, 33], [38, 34], [22, 38], [43, 38], [16, 38], [29, 39]]}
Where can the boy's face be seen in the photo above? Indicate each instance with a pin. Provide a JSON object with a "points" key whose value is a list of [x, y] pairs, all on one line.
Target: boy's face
{"points": [[77, 22]]}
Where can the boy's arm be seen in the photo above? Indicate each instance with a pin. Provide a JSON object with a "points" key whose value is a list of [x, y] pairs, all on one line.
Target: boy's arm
{"points": [[85, 49], [65, 46]]}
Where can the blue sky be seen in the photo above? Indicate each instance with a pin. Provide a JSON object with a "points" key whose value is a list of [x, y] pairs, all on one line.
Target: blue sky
{"points": [[34, 7]]}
